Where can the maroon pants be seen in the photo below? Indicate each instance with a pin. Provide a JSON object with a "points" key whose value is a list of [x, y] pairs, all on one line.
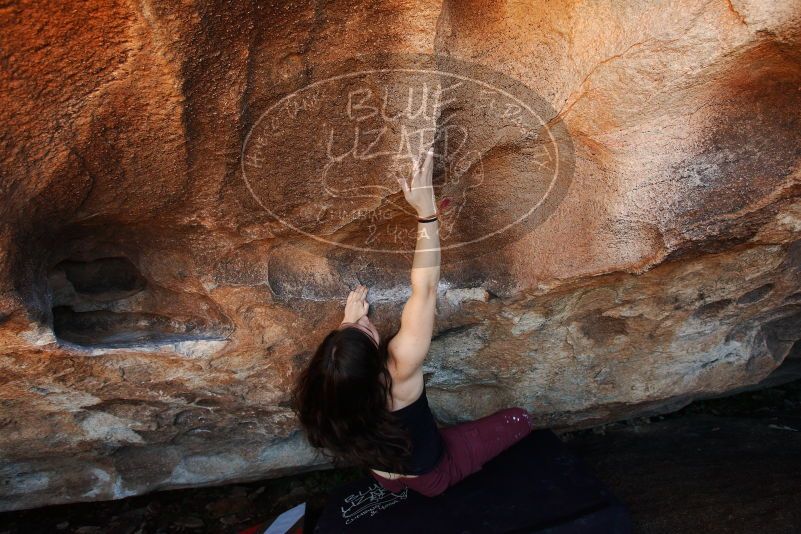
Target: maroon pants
{"points": [[468, 446]]}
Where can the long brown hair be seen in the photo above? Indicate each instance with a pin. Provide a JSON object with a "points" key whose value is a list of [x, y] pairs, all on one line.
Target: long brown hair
{"points": [[340, 398]]}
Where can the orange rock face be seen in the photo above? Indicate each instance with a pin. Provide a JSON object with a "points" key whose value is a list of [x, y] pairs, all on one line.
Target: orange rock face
{"points": [[190, 191]]}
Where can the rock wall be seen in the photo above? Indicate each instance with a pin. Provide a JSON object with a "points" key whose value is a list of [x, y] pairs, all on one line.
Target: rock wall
{"points": [[155, 305]]}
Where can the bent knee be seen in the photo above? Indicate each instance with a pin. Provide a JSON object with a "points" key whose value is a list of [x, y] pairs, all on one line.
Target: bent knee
{"points": [[520, 415]]}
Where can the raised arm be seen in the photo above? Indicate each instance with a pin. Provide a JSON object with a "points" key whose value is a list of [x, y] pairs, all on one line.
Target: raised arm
{"points": [[410, 345]]}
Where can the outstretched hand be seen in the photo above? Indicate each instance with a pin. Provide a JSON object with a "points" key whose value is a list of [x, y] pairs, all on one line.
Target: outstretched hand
{"points": [[420, 194], [357, 305]]}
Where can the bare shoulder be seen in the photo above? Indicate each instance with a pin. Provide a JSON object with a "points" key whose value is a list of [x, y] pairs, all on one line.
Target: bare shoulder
{"points": [[404, 390]]}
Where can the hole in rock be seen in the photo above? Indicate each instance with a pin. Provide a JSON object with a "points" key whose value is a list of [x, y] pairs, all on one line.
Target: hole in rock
{"points": [[782, 334], [102, 327], [789, 370], [795, 352], [104, 278], [108, 303]]}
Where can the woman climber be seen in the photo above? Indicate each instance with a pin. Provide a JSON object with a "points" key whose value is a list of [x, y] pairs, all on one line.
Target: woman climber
{"points": [[362, 399]]}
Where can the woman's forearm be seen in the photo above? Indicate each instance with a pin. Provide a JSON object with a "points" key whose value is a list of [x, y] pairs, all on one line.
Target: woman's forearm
{"points": [[425, 267]]}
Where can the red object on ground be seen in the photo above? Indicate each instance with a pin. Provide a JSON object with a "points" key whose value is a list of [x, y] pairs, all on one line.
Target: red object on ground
{"points": [[261, 527], [257, 529]]}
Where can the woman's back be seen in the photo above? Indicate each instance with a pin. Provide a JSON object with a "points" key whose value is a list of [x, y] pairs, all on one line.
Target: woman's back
{"points": [[415, 416]]}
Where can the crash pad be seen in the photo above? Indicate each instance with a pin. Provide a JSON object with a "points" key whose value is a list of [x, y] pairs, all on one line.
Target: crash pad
{"points": [[537, 485]]}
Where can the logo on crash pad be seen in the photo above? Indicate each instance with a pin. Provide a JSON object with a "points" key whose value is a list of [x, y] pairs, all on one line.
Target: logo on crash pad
{"points": [[323, 158], [370, 502]]}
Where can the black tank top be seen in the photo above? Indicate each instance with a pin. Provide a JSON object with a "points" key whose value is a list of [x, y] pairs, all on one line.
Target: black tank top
{"points": [[427, 443]]}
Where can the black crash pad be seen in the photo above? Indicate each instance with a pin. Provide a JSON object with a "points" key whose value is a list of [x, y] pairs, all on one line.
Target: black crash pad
{"points": [[536, 485]]}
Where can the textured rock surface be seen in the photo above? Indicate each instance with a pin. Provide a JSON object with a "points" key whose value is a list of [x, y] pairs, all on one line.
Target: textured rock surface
{"points": [[152, 315]]}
